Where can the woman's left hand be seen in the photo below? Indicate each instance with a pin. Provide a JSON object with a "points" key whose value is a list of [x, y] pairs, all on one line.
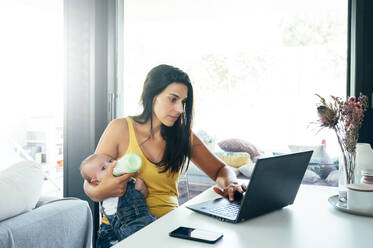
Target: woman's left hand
{"points": [[229, 190]]}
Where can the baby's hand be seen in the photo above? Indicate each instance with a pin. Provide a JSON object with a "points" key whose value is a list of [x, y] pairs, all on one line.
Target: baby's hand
{"points": [[141, 186]]}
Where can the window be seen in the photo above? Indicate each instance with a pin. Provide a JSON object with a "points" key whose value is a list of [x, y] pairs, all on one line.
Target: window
{"points": [[255, 65], [31, 95]]}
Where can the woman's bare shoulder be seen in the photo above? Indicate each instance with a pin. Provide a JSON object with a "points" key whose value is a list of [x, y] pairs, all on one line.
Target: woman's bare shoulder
{"points": [[119, 123], [114, 139], [119, 128], [121, 132]]}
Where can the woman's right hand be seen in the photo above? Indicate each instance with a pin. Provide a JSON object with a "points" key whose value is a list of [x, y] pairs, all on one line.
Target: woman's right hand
{"points": [[110, 186]]}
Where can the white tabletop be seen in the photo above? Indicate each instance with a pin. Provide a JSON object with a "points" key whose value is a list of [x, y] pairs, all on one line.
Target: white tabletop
{"points": [[310, 222]]}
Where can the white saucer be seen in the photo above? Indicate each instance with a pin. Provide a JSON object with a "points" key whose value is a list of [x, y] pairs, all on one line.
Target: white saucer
{"points": [[343, 207]]}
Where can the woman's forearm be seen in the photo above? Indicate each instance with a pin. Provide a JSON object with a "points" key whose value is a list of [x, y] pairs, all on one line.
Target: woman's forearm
{"points": [[91, 191], [225, 177]]}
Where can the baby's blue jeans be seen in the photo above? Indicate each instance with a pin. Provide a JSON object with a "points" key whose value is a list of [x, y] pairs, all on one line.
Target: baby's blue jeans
{"points": [[132, 215]]}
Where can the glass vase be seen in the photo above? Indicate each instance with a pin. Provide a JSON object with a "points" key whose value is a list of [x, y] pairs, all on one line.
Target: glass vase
{"points": [[347, 167]]}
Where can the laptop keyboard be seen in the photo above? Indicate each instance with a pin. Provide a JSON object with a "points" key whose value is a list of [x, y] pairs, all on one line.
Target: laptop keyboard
{"points": [[230, 210]]}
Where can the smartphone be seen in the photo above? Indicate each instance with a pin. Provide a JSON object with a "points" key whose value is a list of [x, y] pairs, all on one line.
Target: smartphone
{"points": [[196, 234]]}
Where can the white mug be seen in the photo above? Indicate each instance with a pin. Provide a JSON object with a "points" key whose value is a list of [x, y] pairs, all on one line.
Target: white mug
{"points": [[360, 197]]}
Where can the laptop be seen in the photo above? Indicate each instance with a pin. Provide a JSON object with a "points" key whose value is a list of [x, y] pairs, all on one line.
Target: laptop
{"points": [[274, 184]]}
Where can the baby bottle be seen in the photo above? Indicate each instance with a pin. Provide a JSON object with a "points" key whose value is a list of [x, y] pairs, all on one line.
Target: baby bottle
{"points": [[129, 163]]}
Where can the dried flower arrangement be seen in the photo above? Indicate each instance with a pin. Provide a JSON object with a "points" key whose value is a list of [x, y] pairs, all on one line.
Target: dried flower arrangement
{"points": [[345, 118]]}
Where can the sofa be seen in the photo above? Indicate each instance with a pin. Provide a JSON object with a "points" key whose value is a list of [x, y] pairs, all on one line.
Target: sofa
{"points": [[29, 219]]}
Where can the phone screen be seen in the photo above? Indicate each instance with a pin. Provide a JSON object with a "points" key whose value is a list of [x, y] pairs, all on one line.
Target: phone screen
{"points": [[196, 234]]}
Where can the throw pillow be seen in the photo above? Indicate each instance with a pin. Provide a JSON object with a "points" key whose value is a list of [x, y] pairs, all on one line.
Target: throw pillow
{"points": [[234, 159], [333, 178], [239, 145], [20, 187], [310, 177], [323, 170], [247, 169], [235, 170]]}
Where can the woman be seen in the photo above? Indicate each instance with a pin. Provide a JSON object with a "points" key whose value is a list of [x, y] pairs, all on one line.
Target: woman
{"points": [[162, 136]]}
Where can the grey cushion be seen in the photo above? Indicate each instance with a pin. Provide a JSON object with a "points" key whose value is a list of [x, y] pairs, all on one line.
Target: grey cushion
{"points": [[58, 223]]}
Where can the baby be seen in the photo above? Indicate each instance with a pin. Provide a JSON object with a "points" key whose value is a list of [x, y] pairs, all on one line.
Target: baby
{"points": [[93, 169], [126, 214]]}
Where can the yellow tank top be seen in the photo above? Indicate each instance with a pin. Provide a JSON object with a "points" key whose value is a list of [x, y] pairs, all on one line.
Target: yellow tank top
{"points": [[162, 187]]}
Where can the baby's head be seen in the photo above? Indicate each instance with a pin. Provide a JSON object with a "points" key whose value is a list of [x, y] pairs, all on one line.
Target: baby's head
{"points": [[93, 168]]}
